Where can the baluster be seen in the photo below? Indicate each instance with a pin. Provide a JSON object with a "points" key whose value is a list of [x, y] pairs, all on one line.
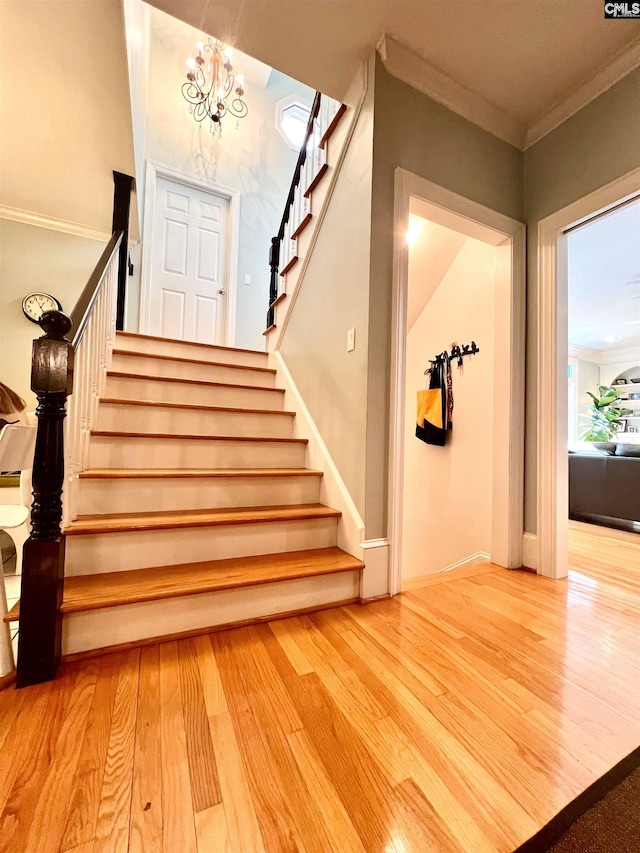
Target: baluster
{"points": [[39, 642]]}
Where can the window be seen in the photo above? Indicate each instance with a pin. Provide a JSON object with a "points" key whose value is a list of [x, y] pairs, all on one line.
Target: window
{"points": [[292, 116]]}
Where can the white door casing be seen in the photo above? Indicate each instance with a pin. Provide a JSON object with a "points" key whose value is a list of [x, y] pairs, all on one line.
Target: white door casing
{"points": [[189, 260], [553, 351], [508, 488]]}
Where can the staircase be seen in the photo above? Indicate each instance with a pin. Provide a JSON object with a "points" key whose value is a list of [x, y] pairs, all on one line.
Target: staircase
{"points": [[196, 509]]}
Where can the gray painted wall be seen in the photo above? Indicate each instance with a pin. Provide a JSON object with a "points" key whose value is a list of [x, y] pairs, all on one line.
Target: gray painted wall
{"points": [[333, 298], [420, 135], [34, 258], [592, 148]]}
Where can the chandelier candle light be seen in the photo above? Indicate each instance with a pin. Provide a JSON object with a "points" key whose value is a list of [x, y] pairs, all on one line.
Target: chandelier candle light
{"points": [[211, 87]]}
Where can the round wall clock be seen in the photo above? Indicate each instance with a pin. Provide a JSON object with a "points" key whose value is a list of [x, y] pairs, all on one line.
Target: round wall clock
{"points": [[35, 304]]}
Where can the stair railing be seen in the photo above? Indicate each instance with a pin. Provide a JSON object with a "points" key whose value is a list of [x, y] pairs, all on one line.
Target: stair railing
{"points": [[310, 166], [60, 368]]}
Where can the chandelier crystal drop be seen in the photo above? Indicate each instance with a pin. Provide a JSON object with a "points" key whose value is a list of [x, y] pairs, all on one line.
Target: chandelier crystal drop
{"points": [[212, 89]]}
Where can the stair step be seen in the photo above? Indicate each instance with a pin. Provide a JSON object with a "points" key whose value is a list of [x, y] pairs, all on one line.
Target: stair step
{"points": [[134, 342], [153, 364], [91, 592], [197, 391], [182, 418], [106, 491], [140, 540], [117, 449], [128, 522], [203, 473]]}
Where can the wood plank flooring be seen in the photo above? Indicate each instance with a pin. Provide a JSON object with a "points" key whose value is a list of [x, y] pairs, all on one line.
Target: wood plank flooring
{"points": [[459, 717]]}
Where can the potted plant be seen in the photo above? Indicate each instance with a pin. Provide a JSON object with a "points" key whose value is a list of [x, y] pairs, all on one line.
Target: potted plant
{"points": [[605, 415]]}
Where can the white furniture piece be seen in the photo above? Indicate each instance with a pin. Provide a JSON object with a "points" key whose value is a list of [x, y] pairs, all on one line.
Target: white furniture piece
{"points": [[17, 444]]}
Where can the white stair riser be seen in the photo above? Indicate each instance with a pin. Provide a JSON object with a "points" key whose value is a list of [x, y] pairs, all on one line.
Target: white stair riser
{"points": [[140, 549], [161, 419], [201, 395], [94, 629], [104, 496], [186, 370], [125, 452], [184, 349]]}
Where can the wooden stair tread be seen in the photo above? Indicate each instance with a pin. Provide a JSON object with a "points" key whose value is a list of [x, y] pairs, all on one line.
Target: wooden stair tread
{"points": [[124, 374], [186, 360], [194, 473], [13, 614], [91, 592], [180, 437], [121, 401], [189, 343], [335, 121], [172, 519]]}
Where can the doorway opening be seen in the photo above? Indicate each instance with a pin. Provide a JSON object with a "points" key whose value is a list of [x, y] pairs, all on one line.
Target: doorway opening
{"points": [[552, 360], [459, 279], [603, 278]]}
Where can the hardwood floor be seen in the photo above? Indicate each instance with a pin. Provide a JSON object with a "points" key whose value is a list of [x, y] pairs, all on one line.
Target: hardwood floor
{"points": [[457, 717]]}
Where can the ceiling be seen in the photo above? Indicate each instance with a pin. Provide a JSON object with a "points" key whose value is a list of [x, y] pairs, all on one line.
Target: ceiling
{"points": [[604, 281], [524, 57]]}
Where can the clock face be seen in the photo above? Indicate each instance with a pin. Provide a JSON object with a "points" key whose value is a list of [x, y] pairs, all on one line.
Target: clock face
{"points": [[35, 304]]}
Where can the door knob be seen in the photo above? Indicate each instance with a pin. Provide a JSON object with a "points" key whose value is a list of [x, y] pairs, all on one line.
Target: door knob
{"points": [[222, 291]]}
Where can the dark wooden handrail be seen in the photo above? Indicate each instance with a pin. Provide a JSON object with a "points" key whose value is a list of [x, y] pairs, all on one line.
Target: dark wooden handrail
{"points": [[274, 250], [84, 306], [302, 156]]}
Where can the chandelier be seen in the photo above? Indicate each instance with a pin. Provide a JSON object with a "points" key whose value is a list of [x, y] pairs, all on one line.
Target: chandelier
{"points": [[212, 89]]}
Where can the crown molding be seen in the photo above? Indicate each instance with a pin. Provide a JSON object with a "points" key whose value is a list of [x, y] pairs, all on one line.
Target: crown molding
{"points": [[585, 353], [625, 61], [618, 355], [405, 65], [28, 217], [611, 354]]}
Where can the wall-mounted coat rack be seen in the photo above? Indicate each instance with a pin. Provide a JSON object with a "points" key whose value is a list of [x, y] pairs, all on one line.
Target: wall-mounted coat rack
{"points": [[457, 354]]}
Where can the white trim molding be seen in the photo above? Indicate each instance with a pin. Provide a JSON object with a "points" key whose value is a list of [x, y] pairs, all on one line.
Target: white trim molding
{"points": [[405, 65], [623, 63], [553, 349], [530, 551], [424, 580], [508, 447], [76, 229], [375, 577], [402, 63], [585, 353], [158, 170]]}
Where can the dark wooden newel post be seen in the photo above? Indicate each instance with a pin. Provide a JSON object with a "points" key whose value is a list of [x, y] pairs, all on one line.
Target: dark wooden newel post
{"points": [[274, 262], [43, 562], [123, 186]]}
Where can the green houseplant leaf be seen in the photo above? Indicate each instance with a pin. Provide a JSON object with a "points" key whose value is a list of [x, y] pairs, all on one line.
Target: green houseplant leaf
{"points": [[605, 415]]}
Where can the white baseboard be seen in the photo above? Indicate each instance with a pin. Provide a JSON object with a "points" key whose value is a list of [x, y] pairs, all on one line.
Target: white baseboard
{"points": [[530, 550], [375, 578], [417, 582], [333, 491], [479, 555]]}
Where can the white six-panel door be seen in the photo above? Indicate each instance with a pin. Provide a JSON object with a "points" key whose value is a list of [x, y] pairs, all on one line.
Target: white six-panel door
{"points": [[189, 269]]}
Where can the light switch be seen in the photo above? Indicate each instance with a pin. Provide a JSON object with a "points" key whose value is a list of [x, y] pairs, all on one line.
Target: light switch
{"points": [[247, 278], [351, 340]]}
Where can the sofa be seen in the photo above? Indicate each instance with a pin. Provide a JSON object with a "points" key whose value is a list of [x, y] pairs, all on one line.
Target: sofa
{"points": [[604, 485]]}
